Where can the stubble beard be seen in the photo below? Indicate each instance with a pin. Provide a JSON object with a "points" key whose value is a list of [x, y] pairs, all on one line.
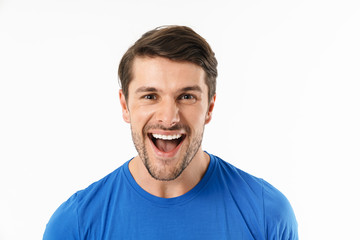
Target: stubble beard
{"points": [[161, 174]]}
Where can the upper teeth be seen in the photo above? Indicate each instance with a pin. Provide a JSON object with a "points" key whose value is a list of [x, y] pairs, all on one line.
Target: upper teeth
{"points": [[167, 137]]}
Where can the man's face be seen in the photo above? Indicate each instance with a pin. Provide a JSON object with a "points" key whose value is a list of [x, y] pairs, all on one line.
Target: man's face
{"points": [[167, 108]]}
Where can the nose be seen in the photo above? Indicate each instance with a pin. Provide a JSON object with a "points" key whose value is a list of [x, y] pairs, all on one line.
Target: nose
{"points": [[167, 113]]}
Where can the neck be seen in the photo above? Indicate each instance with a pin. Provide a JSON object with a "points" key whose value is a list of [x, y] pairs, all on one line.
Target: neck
{"points": [[188, 179]]}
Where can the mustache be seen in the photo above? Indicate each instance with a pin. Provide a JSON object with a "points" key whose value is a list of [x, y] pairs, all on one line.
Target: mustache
{"points": [[172, 128]]}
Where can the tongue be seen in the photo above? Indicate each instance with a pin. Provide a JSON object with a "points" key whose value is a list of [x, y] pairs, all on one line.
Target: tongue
{"points": [[166, 145]]}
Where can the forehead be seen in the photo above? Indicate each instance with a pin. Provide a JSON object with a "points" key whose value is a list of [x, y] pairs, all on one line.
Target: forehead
{"points": [[165, 74]]}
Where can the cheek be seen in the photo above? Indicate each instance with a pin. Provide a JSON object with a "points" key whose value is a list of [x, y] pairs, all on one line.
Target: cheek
{"points": [[195, 117], [141, 115]]}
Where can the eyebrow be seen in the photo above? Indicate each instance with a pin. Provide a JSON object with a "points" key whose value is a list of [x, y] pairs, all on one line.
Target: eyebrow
{"points": [[146, 89], [191, 88], [153, 89]]}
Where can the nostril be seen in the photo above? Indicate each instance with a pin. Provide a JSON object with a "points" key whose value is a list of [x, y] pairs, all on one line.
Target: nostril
{"points": [[168, 114]]}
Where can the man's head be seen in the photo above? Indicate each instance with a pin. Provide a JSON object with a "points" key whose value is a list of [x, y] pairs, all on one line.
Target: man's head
{"points": [[168, 93], [178, 43]]}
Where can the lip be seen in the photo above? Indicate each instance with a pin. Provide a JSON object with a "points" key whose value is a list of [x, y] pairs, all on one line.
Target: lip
{"points": [[162, 154], [163, 132]]}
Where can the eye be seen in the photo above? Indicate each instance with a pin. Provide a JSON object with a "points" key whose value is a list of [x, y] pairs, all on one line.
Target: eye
{"points": [[149, 97], [187, 96]]}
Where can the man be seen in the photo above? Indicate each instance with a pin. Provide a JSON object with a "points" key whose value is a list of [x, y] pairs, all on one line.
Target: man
{"points": [[172, 189]]}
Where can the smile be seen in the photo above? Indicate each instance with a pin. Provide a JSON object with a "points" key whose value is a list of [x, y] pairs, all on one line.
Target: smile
{"points": [[166, 145]]}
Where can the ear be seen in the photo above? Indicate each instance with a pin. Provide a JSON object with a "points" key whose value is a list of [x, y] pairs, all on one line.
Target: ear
{"points": [[125, 109], [211, 108]]}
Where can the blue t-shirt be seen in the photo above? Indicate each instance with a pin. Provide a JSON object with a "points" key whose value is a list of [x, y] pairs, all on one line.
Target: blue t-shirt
{"points": [[226, 204]]}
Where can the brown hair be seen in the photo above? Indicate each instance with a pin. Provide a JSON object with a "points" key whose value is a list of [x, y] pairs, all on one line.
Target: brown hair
{"points": [[178, 43]]}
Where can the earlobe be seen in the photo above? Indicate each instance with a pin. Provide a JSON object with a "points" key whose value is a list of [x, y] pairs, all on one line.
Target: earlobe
{"points": [[125, 110], [210, 110]]}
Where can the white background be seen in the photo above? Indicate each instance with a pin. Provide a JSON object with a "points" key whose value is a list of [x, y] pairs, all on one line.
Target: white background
{"points": [[288, 102]]}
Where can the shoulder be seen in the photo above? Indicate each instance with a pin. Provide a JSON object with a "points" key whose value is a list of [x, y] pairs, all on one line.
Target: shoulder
{"points": [[68, 218], [263, 199], [280, 220], [64, 222], [238, 179], [100, 188]]}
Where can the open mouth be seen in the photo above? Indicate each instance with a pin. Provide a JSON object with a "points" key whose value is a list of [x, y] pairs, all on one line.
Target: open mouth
{"points": [[166, 143]]}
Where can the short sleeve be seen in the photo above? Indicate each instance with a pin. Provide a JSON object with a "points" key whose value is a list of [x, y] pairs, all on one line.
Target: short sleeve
{"points": [[280, 221], [63, 224]]}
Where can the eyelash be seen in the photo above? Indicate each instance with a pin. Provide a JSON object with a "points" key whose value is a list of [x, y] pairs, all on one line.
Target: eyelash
{"points": [[149, 97], [186, 96], [189, 97]]}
